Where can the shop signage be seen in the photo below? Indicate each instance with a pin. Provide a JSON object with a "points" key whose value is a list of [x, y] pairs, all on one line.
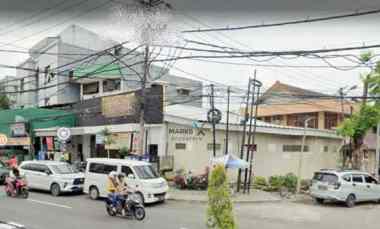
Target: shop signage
{"points": [[99, 139], [3, 140], [63, 134], [186, 134], [119, 105], [18, 129], [25, 141]]}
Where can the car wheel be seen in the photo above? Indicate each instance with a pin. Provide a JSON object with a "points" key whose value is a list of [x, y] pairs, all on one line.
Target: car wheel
{"points": [[350, 201], [94, 193], [319, 200], [55, 190]]}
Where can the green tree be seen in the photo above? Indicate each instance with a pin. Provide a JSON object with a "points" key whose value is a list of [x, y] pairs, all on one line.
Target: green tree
{"points": [[366, 118], [108, 139], [219, 212], [4, 102]]}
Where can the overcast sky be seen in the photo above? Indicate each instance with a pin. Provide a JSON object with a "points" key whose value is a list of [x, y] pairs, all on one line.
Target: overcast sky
{"points": [[25, 22]]}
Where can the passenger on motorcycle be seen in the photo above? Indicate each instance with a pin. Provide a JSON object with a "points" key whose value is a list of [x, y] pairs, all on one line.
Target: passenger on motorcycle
{"points": [[14, 175], [123, 191]]}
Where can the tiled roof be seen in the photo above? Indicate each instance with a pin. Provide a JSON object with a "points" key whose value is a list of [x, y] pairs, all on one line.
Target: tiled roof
{"points": [[280, 90]]}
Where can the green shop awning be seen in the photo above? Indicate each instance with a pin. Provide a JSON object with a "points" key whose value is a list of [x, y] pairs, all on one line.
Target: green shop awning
{"points": [[97, 70], [36, 118]]}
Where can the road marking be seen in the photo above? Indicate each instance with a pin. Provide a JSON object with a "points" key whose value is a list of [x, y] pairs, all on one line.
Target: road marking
{"points": [[50, 204]]}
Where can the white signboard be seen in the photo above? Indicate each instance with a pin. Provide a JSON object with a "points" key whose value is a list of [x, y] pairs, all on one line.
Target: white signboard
{"points": [[99, 139], [63, 134]]}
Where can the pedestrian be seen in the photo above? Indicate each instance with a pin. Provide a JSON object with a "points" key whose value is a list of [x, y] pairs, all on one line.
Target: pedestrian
{"points": [[12, 163]]}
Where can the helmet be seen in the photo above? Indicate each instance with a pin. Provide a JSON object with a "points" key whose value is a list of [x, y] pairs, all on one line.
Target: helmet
{"points": [[112, 174]]}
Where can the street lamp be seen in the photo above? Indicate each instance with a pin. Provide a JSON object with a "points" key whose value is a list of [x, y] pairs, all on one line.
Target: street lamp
{"points": [[300, 156]]}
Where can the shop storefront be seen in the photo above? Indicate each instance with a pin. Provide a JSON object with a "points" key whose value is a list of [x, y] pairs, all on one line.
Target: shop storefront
{"points": [[17, 130]]}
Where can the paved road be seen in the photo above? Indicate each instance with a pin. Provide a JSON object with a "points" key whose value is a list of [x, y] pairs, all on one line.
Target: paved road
{"points": [[42, 211]]}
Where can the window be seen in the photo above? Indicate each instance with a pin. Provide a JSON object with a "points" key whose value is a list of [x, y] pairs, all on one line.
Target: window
{"points": [[267, 119], [357, 178], [277, 119], [111, 85], [370, 180], [325, 149], [299, 120], [102, 168], [326, 177], [145, 172], [294, 148], [126, 170], [2, 165], [347, 178], [40, 168], [183, 91], [47, 74], [91, 88], [180, 146], [217, 146], [63, 169], [331, 120]]}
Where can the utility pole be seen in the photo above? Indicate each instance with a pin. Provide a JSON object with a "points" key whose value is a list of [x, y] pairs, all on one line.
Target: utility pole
{"points": [[377, 151], [258, 84], [341, 94], [246, 115], [249, 132], [300, 156], [142, 100], [228, 117], [213, 120]]}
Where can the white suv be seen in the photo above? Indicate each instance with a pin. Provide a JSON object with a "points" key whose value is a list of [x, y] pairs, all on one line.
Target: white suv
{"points": [[53, 176], [347, 186]]}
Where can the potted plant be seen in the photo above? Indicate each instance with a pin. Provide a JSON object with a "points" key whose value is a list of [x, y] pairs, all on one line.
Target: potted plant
{"points": [[124, 152]]}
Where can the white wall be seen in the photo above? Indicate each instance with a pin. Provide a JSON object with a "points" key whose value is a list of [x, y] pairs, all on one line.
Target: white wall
{"points": [[268, 160]]}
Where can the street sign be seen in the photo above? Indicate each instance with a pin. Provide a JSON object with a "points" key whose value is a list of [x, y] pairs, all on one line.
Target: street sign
{"points": [[3, 140], [214, 116], [63, 134]]}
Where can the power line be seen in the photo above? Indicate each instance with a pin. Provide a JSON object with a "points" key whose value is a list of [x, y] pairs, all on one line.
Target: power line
{"points": [[58, 24], [307, 20]]}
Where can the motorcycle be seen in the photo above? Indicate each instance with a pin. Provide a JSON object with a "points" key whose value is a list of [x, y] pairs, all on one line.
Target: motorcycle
{"points": [[21, 189], [128, 206]]}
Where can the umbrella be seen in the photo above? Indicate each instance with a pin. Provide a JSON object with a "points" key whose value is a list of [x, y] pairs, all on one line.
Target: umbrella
{"points": [[230, 161]]}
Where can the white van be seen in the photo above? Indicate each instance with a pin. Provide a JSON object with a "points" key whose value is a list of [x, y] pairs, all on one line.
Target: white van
{"points": [[54, 176], [139, 175]]}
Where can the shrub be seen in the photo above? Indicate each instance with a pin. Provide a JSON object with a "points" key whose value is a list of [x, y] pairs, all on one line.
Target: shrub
{"points": [[276, 182], [260, 183], [290, 182], [219, 212]]}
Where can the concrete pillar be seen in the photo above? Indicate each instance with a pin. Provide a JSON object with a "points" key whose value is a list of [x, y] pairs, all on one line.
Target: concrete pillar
{"points": [[86, 141], [321, 120]]}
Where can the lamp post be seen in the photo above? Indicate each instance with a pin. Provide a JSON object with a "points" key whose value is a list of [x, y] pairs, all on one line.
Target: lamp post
{"points": [[300, 156]]}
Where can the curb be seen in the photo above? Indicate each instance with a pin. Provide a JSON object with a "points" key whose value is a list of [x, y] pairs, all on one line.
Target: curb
{"points": [[234, 201]]}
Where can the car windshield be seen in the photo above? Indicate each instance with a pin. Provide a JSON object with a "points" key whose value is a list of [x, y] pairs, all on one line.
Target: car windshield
{"points": [[145, 172], [326, 177], [64, 169]]}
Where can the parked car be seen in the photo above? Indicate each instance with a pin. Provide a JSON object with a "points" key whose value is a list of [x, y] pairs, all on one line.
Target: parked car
{"points": [[140, 176], [10, 225], [56, 177], [4, 171], [346, 186]]}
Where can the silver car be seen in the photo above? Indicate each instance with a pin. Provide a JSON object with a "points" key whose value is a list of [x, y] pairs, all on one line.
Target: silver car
{"points": [[347, 186]]}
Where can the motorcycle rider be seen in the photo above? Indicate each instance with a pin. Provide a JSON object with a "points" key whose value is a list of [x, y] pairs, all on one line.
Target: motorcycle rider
{"points": [[112, 188]]}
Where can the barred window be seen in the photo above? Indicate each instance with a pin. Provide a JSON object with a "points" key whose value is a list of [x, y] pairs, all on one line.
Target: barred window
{"points": [[294, 148], [180, 146]]}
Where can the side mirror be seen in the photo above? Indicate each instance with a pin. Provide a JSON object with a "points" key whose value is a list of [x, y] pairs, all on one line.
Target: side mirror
{"points": [[48, 172], [131, 176]]}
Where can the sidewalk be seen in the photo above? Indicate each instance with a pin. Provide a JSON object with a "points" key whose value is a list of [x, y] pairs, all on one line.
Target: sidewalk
{"points": [[255, 196]]}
